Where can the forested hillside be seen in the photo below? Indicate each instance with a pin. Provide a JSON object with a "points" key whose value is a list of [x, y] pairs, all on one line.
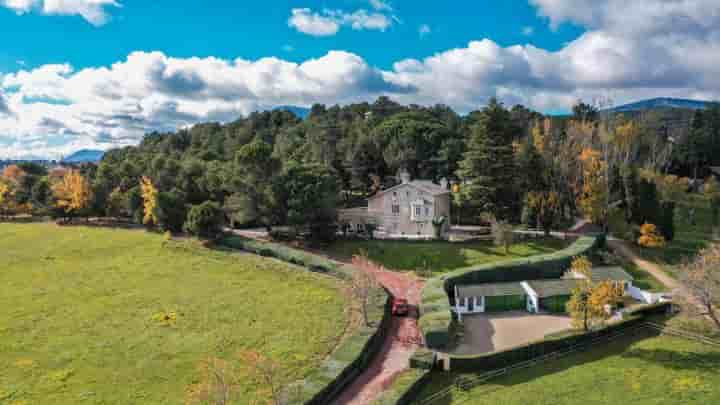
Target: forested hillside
{"points": [[275, 168]]}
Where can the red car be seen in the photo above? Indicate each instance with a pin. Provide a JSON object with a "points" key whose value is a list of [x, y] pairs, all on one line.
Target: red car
{"points": [[400, 307]]}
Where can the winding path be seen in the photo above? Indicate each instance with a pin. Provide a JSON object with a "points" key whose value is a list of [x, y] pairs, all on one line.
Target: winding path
{"points": [[400, 344]]}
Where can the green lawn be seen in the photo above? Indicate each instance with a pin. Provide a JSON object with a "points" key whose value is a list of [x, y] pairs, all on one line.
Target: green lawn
{"points": [[660, 370], [82, 309], [441, 257]]}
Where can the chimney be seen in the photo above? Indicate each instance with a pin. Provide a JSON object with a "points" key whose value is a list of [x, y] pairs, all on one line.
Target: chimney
{"points": [[444, 183], [404, 177]]}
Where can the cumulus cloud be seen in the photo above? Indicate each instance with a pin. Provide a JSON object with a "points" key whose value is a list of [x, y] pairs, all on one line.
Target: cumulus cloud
{"points": [[93, 11], [117, 104], [328, 22]]}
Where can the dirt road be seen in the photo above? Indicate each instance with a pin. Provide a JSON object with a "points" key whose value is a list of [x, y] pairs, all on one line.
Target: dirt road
{"points": [[401, 342]]}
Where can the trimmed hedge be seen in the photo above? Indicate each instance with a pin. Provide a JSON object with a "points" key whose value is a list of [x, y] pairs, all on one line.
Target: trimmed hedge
{"points": [[355, 353], [437, 296], [496, 360], [313, 262]]}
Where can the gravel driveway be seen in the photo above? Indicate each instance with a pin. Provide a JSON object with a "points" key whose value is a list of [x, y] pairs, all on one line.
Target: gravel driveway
{"points": [[499, 331]]}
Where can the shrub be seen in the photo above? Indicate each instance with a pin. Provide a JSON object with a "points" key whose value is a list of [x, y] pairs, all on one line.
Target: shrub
{"points": [[205, 220], [171, 211], [650, 237]]}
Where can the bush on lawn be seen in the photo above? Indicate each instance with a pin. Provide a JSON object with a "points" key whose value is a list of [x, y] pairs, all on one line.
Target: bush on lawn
{"points": [[205, 220]]}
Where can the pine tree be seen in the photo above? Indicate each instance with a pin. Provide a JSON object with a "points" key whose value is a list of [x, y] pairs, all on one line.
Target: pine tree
{"points": [[487, 168]]}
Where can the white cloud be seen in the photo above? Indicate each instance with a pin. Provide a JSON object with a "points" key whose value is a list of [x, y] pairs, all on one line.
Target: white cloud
{"points": [[328, 22], [381, 5], [93, 11], [424, 30], [308, 22], [117, 104], [528, 31]]}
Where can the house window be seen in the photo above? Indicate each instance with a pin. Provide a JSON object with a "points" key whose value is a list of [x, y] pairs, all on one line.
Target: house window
{"points": [[396, 209], [418, 210], [360, 228], [427, 211]]}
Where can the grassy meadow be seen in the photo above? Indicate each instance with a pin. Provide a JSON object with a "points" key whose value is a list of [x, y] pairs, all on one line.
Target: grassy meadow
{"points": [[659, 370], [107, 316], [440, 257]]}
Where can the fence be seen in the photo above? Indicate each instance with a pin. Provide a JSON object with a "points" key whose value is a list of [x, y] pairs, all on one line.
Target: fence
{"points": [[463, 384]]}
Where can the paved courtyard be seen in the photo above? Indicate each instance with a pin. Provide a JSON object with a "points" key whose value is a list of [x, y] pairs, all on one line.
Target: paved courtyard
{"points": [[500, 331]]}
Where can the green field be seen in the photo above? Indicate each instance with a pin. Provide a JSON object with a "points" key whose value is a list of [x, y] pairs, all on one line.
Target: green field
{"points": [[659, 370], [83, 317], [440, 257]]}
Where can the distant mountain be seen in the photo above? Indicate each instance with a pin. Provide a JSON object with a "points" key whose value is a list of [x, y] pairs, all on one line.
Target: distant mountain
{"points": [[301, 112], [663, 102], [85, 156]]}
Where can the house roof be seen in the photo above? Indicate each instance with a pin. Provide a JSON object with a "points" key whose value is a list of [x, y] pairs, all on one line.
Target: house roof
{"points": [[423, 185], [552, 288], [490, 290], [614, 273]]}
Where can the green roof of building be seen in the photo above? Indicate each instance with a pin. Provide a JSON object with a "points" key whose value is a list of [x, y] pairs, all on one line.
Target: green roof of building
{"points": [[614, 273], [490, 290], [552, 288]]}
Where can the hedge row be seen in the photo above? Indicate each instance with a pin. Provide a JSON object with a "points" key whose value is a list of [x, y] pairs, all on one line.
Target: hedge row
{"points": [[437, 296], [298, 257], [354, 354], [497, 360]]}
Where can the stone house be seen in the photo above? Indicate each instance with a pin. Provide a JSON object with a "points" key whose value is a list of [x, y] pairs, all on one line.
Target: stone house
{"points": [[406, 210]]}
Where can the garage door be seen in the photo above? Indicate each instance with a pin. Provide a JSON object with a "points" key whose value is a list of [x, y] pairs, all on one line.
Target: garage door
{"points": [[505, 303], [554, 304]]}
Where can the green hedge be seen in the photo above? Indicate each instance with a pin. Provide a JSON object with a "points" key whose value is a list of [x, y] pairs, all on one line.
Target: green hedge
{"points": [[355, 353], [497, 360], [312, 262], [437, 296]]}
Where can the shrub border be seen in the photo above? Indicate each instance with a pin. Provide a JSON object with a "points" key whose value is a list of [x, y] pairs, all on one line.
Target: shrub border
{"points": [[354, 354]]}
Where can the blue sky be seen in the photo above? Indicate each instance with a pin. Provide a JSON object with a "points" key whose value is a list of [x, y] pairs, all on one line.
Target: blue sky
{"points": [[252, 30], [101, 73]]}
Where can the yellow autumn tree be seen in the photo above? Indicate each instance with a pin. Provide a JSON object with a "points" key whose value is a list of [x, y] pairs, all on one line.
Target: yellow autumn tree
{"points": [[650, 237], [72, 193], [538, 138], [589, 301], [4, 198], [592, 199], [149, 196]]}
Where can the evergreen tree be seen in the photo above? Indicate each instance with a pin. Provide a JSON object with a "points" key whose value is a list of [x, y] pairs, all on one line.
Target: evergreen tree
{"points": [[648, 204], [487, 169], [667, 220]]}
